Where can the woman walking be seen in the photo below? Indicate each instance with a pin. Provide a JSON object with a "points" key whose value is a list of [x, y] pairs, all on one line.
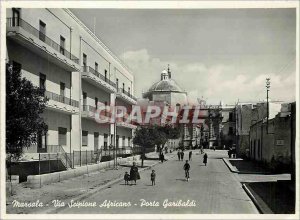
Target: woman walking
{"points": [[205, 159], [134, 173]]}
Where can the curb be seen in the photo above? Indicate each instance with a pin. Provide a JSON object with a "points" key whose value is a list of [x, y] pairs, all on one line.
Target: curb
{"points": [[233, 169], [258, 202], [85, 195]]}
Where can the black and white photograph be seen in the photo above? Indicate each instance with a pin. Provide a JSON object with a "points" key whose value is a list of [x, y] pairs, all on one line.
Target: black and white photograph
{"points": [[149, 109]]}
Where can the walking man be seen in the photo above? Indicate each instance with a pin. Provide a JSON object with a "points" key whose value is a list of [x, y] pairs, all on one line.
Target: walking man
{"points": [[179, 155], [186, 168]]}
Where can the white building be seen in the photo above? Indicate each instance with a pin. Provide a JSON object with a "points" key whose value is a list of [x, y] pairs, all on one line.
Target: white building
{"points": [[59, 53]]}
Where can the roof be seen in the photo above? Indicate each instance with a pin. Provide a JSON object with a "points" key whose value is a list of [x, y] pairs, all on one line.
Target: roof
{"points": [[168, 85]]}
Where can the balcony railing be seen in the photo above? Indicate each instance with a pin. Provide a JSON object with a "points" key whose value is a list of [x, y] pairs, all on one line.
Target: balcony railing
{"points": [[99, 75], [127, 94], [18, 22], [88, 108], [61, 98]]}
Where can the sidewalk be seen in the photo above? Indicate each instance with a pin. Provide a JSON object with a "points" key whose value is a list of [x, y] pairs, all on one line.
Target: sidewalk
{"points": [[241, 166], [74, 188], [271, 193], [273, 197]]}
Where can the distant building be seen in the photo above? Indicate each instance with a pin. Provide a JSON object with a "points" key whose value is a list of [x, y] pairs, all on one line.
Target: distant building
{"points": [[168, 92], [228, 130], [272, 141], [243, 112], [247, 114]]}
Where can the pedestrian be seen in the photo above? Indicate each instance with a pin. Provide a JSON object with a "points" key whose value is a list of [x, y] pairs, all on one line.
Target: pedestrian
{"points": [[190, 155], [126, 178], [134, 173], [179, 155], [205, 159], [163, 158], [186, 168], [153, 176], [182, 155], [229, 152]]}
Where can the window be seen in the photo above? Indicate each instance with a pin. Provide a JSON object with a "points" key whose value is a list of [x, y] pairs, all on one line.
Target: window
{"points": [[105, 141], [62, 89], [106, 112], [41, 143], [230, 132], [123, 88], [105, 75], [254, 149], [62, 45], [62, 136], [16, 17], [129, 141], [84, 60], [258, 148], [84, 97], [84, 138], [123, 141], [96, 67], [230, 116], [117, 83], [42, 32], [96, 141], [96, 102], [111, 139], [250, 147], [43, 82], [129, 91]]}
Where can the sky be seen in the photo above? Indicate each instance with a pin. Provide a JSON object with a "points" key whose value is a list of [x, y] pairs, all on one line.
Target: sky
{"points": [[219, 54]]}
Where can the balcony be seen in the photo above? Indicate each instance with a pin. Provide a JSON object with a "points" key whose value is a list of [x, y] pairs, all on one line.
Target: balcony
{"points": [[39, 43], [97, 79], [123, 123], [126, 96], [88, 111], [61, 103]]}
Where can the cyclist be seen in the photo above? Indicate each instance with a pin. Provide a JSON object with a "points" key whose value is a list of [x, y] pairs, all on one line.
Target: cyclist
{"points": [[186, 168]]}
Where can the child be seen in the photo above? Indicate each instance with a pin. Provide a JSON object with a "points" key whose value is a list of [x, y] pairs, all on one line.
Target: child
{"points": [[126, 178], [153, 175]]}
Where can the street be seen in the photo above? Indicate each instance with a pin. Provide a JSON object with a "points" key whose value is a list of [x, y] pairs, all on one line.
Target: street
{"points": [[214, 189]]}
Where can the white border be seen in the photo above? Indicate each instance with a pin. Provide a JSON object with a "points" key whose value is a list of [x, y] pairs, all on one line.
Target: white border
{"points": [[140, 5]]}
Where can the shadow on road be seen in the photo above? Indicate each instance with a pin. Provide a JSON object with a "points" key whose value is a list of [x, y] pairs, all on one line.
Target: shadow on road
{"points": [[184, 180]]}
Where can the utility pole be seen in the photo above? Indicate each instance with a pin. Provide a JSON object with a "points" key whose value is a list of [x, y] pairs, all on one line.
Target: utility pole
{"points": [[268, 85]]}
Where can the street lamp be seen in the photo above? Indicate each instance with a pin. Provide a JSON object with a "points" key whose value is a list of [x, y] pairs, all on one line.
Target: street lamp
{"points": [[268, 85]]}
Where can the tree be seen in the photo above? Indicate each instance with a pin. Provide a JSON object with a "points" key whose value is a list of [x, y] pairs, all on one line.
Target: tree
{"points": [[144, 137], [24, 105], [150, 136]]}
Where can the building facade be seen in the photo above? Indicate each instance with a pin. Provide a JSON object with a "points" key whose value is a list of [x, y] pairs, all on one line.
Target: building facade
{"points": [[78, 73], [272, 141], [228, 130]]}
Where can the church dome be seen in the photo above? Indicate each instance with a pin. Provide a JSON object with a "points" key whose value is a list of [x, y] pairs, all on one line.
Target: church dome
{"points": [[165, 85]]}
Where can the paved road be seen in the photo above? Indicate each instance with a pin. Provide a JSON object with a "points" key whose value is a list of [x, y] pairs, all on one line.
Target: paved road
{"points": [[214, 189]]}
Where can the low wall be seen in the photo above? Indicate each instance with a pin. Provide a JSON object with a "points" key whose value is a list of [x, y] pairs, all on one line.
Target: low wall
{"points": [[26, 168], [37, 181]]}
